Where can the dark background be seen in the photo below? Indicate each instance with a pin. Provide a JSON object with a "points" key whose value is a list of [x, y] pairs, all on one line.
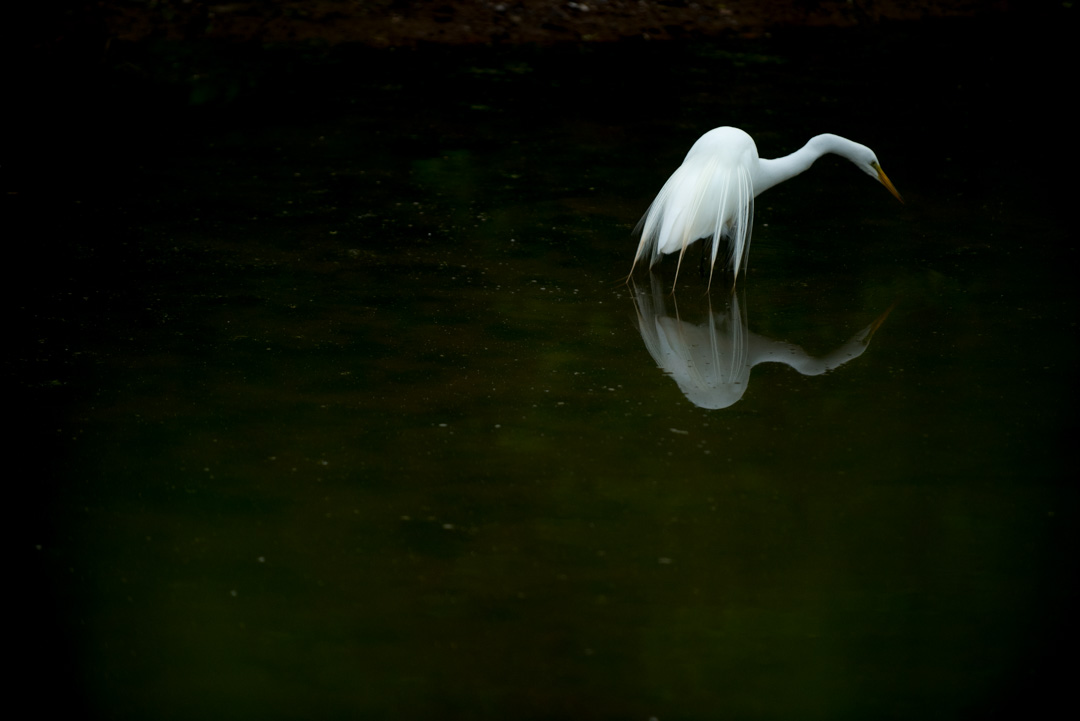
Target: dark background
{"points": [[94, 90]]}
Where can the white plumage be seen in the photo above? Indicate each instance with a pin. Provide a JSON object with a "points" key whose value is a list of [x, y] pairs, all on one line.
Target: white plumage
{"points": [[711, 195]]}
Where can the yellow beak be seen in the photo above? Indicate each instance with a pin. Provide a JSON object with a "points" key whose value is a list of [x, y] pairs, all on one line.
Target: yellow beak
{"points": [[886, 182]]}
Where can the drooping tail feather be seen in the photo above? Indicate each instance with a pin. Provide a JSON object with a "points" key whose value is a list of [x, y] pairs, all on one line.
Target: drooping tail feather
{"points": [[700, 200]]}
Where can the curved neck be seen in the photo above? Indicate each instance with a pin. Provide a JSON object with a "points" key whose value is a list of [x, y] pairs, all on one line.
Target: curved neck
{"points": [[778, 170]]}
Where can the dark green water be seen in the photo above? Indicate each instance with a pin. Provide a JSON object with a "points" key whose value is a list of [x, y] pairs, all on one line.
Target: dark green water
{"points": [[349, 413]]}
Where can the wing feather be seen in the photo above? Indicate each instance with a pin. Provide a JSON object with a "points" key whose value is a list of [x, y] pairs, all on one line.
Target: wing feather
{"points": [[701, 199]]}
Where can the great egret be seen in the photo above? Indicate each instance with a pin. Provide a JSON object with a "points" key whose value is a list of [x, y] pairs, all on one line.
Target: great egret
{"points": [[711, 361], [711, 195]]}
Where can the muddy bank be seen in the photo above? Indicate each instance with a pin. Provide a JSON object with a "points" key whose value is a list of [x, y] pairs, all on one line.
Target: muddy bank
{"points": [[382, 23]]}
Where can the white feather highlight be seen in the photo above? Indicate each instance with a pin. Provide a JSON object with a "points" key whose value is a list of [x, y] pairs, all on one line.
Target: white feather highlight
{"points": [[710, 196]]}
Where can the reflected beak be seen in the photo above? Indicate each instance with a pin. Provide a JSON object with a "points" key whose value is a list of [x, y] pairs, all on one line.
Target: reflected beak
{"points": [[881, 319], [886, 182]]}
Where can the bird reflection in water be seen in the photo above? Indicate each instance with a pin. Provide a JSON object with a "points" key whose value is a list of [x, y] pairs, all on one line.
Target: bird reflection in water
{"points": [[711, 361]]}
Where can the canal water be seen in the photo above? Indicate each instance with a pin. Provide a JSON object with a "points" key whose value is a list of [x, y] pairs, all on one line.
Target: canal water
{"points": [[351, 413]]}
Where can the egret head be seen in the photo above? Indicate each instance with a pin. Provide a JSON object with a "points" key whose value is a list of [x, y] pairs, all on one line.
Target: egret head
{"points": [[859, 154], [864, 157], [876, 171]]}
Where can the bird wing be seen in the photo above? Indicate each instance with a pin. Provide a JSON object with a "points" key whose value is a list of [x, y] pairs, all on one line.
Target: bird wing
{"points": [[704, 198], [673, 220]]}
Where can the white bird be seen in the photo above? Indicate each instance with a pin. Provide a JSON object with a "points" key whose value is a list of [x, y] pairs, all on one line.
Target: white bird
{"points": [[711, 195], [711, 361]]}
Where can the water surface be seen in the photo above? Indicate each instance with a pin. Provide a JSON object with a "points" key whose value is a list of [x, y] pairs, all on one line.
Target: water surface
{"points": [[352, 413]]}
